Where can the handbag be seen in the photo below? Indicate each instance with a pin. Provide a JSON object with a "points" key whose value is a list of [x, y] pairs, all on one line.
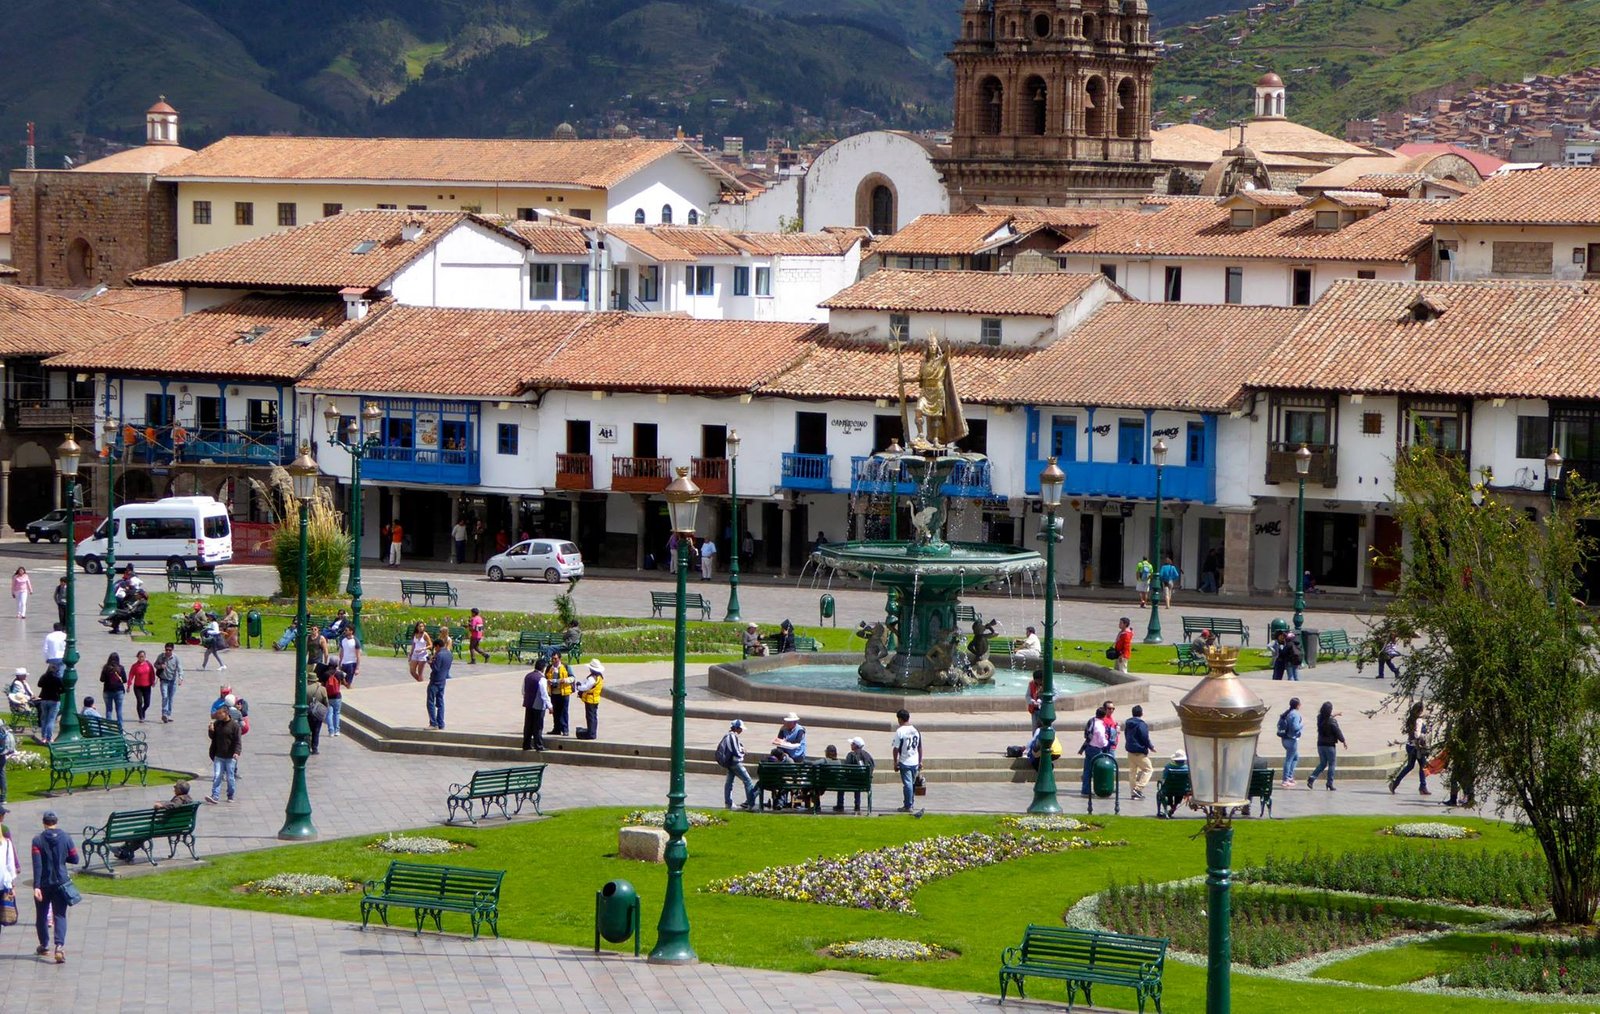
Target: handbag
{"points": [[70, 891], [1112, 652], [8, 907]]}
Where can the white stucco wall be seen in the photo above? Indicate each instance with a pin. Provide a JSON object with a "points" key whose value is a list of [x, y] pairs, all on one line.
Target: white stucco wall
{"points": [[829, 193], [674, 180], [1265, 282], [470, 266], [769, 211], [1473, 257]]}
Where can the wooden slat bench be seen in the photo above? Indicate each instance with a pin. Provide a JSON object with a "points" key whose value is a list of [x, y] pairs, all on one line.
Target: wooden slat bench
{"points": [[1084, 959], [498, 787], [779, 778], [432, 890], [97, 757], [194, 578], [844, 778], [137, 829], [802, 642], [1218, 625], [669, 600], [429, 590]]}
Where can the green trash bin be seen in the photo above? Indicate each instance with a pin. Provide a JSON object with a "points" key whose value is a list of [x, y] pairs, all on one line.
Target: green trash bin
{"points": [[252, 628], [616, 914], [826, 608], [1103, 775]]}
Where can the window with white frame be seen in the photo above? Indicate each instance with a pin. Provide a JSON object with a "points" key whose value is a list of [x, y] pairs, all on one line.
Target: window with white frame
{"points": [[649, 283], [574, 282], [989, 330], [700, 280], [543, 285], [763, 281]]}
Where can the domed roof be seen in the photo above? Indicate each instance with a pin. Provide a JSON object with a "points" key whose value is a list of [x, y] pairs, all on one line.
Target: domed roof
{"points": [[1270, 80], [564, 132], [621, 130], [161, 107]]}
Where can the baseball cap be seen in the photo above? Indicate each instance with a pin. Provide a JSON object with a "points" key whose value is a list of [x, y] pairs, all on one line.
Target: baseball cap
{"points": [[736, 724], [50, 817]]}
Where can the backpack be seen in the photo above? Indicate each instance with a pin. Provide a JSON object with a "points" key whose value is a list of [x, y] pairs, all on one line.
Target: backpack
{"points": [[1295, 658], [8, 742], [1285, 729], [725, 752]]}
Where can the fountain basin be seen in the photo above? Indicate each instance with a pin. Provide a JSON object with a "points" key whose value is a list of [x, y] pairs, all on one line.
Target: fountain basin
{"points": [[963, 565], [825, 681]]}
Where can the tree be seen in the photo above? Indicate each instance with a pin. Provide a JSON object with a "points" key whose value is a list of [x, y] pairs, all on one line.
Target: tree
{"points": [[1506, 658]]}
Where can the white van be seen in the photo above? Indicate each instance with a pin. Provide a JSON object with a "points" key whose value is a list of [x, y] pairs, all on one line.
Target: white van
{"points": [[192, 531]]}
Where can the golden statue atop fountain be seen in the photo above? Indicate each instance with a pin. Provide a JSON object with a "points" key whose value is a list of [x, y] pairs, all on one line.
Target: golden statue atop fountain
{"points": [[939, 418]]}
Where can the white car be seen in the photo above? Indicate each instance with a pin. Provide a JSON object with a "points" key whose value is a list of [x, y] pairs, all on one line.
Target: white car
{"points": [[552, 559]]}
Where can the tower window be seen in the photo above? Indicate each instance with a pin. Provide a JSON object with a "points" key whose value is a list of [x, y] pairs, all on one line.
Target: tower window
{"points": [[882, 210], [1038, 105], [991, 106], [1091, 29], [1094, 95], [694, 217], [666, 214], [1041, 25], [1127, 108], [638, 216]]}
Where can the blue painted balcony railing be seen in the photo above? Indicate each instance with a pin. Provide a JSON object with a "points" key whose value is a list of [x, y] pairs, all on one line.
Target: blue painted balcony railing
{"points": [[880, 476], [421, 464], [807, 471], [160, 445], [1195, 484]]}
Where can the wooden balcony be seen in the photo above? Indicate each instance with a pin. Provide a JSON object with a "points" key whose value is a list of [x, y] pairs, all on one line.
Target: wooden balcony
{"points": [[574, 471], [640, 475], [49, 413], [1324, 464], [710, 474]]}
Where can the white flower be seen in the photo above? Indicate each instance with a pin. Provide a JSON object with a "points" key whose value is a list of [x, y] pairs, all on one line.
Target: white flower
{"points": [[1430, 829], [658, 818], [885, 949], [417, 845], [300, 884], [1047, 822]]}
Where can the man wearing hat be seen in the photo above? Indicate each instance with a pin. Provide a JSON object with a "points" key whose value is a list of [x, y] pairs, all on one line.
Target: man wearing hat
{"points": [[752, 641], [588, 687], [858, 756], [730, 754], [790, 742], [561, 683]]}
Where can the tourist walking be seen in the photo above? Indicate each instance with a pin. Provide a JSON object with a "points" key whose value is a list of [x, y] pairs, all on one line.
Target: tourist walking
{"points": [[421, 645], [476, 627], [907, 749], [114, 681], [730, 756], [1143, 571], [1415, 729], [55, 648], [61, 602], [560, 680], [21, 588], [350, 655], [227, 744], [142, 678], [316, 709], [1170, 575], [1387, 655], [1136, 734], [1329, 738], [333, 685], [458, 542], [535, 702], [1095, 741], [589, 688], [438, 675], [50, 689], [169, 672], [1291, 726], [53, 890], [10, 866], [1123, 645], [211, 640], [708, 558]]}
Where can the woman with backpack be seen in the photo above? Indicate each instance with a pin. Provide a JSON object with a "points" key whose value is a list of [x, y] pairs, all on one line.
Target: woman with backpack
{"points": [[114, 679], [1329, 738], [1290, 728], [1415, 729]]}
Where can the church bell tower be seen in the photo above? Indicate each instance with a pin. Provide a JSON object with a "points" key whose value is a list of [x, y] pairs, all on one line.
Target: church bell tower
{"points": [[1052, 103]]}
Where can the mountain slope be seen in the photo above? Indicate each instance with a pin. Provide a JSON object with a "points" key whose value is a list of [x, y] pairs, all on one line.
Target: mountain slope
{"points": [[1344, 59]]}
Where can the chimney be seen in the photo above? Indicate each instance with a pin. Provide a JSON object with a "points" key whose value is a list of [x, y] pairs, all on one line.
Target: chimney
{"points": [[356, 303], [412, 230]]}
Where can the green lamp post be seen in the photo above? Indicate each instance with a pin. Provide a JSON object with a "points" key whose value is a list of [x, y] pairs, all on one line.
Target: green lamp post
{"points": [[297, 825], [111, 432], [1553, 465], [67, 457], [1221, 720], [1152, 633], [360, 439], [1051, 481], [1302, 468], [672, 932], [733, 567]]}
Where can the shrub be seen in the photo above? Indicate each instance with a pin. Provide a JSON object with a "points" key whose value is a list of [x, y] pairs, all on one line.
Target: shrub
{"points": [[658, 818], [1546, 966], [301, 885], [1429, 873], [327, 546]]}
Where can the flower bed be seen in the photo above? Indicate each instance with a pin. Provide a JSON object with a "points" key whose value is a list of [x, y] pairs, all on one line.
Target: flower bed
{"points": [[884, 949], [1046, 822], [1484, 877], [658, 818], [417, 845], [300, 885], [1431, 829], [886, 879], [25, 759], [1555, 966]]}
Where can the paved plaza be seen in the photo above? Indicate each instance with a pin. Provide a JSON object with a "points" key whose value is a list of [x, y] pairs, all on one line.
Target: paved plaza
{"points": [[120, 949]]}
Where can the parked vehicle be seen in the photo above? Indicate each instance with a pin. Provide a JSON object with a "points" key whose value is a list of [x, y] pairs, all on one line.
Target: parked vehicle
{"points": [[53, 526], [553, 559], [180, 531]]}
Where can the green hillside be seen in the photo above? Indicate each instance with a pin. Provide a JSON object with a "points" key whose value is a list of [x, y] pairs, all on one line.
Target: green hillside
{"points": [[1344, 59]]}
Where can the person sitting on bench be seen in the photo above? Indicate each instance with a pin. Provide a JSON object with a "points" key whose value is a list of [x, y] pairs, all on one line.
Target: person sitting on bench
{"points": [[128, 612], [180, 797]]}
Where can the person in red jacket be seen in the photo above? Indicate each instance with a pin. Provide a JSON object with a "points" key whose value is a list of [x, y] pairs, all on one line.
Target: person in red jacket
{"points": [[142, 677], [1124, 643]]}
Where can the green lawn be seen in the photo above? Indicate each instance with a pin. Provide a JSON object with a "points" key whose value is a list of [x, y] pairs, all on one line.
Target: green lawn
{"points": [[975, 914], [32, 783], [1411, 962]]}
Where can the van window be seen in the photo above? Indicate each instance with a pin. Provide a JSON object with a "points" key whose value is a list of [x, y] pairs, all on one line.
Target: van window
{"points": [[158, 528], [217, 526]]}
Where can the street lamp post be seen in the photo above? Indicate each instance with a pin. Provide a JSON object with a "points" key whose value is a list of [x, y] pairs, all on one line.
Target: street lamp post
{"points": [[67, 457], [1552, 475], [1152, 633], [360, 439], [1302, 468], [297, 825], [1051, 480], [733, 567], [111, 431], [1221, 720], [672, 932]]}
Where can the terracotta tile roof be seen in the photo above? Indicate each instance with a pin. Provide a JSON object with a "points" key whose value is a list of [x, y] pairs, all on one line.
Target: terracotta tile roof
{"points": [[1195, 145], [8, 271], [952, 235], [986, 292], [258, 337], [597, 164], [1485, 163], [1153, 355], [836, 367], [631, 352], [1266, 198], [1196, 227], [1551, 195], [556, 238], [1355, 199], [320, 255], [1065, 218], [150, 158], [670, 243], [1497, 339], [1388, 184], [148, 301], [36, 324]]}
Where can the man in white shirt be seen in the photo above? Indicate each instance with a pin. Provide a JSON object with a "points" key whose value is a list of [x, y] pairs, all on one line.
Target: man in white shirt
{"points": [[55, 648], [708, 558], [1030, 650], [906, 747], [458, 536]]}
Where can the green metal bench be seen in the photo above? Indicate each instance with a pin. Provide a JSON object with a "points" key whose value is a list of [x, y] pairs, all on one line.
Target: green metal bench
{"points": [[137, 829], [194, 578], [498, 787], [1084, 959], [1218, 625], [433, 890], [97, 757], [530, 644], [1334, 644], [95, 726], [669, 600], [1189, 661], [1174, 789], [968, 614], [1261, 782], [802, 642], [779, 778], [844, 778], [429, 590], [22, 716]]}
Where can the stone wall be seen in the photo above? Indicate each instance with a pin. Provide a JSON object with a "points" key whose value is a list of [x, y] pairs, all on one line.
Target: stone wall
{"points": [[75, 230]]}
